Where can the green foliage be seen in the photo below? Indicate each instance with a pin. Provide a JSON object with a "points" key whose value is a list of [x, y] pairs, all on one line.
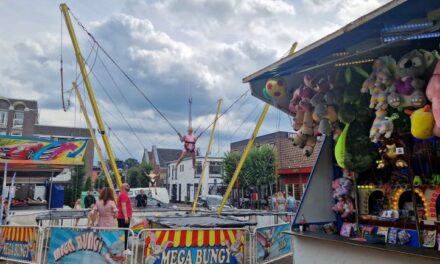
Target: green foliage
{"points": [[100, 182], [137, 176], [259, 167], [131, 162], [72, 192], [88, 184]]}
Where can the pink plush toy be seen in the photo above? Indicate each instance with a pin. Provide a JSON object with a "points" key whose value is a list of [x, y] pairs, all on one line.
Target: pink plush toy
{"points": [[433, 94]]}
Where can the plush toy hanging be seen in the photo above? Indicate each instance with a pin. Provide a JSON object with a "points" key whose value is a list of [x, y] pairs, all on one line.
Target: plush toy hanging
{"points": [[276, 90], [422, 122], [433, 94], [408, 89]]}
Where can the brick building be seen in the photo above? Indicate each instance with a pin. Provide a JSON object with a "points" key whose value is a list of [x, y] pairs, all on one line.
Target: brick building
{"points": [[293, 167], [159, 157], [19, 117]]}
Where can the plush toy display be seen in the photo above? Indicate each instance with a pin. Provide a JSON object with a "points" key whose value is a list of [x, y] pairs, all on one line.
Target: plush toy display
{"points": [[341, 187], [433, 94], [422, 122], [344, 207], [408, 89], [325, 113]]}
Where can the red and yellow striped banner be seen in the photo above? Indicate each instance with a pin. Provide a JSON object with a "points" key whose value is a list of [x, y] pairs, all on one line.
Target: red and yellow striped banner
{"points": [[232, 240], [19, 234]]}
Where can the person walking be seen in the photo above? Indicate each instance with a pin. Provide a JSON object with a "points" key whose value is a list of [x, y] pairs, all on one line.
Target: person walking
{"points": [[106, 208], [89, 200], [125, 210], [141, 199], [290, 203]]}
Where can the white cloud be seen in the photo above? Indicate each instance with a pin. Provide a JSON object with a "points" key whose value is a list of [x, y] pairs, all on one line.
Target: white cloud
{"points": [[172, 49]]}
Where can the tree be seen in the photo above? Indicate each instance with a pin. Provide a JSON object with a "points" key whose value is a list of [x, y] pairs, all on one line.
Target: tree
{"points": [[130, 162], [258, 169], [138, 175], [100, 182], [88, 184], [73, 190]]}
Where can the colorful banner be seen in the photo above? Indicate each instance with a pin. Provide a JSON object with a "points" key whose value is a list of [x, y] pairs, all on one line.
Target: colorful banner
{"points": [[37, 150], [18, 243], [272, 244], [213, 246], [86, 246]]}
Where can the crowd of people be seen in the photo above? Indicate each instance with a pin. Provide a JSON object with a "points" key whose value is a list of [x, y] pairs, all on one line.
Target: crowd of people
{"points": [[279, 202]]}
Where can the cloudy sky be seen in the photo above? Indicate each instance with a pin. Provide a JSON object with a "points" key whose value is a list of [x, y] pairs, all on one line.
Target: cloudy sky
{"points": [[173, 49]]}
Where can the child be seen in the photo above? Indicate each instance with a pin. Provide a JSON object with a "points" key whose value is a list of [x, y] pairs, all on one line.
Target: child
{"points": [[189, 146]]}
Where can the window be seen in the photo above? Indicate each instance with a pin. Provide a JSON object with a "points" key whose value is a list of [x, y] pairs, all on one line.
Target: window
{"points": [[182, 168], [18, 119], [199, 168], [215, 167], [298, 190], [3, 118]]}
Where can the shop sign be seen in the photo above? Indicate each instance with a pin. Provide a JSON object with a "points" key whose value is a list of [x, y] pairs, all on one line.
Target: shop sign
{"points": [[18, 243], [196, 246], [86, 246], [272, 243]]}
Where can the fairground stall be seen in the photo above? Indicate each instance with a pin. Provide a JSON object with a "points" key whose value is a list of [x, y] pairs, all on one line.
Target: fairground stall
{"points": [[371, 92]]}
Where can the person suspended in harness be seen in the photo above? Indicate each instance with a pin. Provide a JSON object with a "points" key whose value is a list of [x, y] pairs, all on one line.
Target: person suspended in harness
{"points": [[189, 147]]}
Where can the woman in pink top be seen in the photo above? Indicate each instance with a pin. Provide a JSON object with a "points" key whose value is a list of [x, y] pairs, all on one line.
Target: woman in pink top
{"points": [[189, 147], [106, 208]]}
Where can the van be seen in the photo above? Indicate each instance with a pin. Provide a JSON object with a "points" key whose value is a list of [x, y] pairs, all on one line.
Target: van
{"points": [[155, 195]]}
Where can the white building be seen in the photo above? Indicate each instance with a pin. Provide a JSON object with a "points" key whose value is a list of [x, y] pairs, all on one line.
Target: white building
{"points": [[183, 182]]}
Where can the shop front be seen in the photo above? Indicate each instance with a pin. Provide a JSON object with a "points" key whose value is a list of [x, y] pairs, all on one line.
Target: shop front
{"points": [[371, 93]]}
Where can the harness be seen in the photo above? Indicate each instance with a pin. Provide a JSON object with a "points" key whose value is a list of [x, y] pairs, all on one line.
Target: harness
{"points": [[187, 143]]}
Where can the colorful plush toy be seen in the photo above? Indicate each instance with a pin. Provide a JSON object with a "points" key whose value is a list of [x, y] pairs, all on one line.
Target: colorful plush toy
{"points": [[389, 154], [382, 125], [417, 181], [422, 122], [433, 94], [435, 179], [408, 88], [325, 113]]}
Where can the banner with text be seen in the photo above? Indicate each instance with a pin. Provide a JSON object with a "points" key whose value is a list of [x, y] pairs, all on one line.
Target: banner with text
{"points": [[215, 246], [86, 246], [18, 243], [272, 244]]}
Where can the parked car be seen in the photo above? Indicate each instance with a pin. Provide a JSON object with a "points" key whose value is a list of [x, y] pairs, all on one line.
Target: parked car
{"points": [[20, 152], [212, 202]]}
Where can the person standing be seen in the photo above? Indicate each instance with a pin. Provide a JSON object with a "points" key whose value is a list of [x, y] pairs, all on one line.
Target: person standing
{"points": [[106, 208], [141, 199], [125, 210], [290, 203], [89, 200], [281, 202]]}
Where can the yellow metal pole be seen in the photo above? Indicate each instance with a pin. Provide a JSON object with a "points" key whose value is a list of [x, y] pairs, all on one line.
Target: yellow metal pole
{"points": [[88, 85], [208, 151], [95, 142], [243, 157]]}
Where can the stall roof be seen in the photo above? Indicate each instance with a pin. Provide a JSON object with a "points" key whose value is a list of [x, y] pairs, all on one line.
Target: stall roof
{"points": [[198, 221], [360, 35]]}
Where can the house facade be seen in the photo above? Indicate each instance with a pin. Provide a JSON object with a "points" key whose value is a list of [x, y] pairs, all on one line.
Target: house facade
{"points": [[184, 181], [158, 158]]}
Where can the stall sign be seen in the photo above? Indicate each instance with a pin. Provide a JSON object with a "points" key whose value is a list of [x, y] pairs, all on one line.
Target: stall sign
{"points": [[196, 246], [86, 246], [272, 243], [18, 243]]}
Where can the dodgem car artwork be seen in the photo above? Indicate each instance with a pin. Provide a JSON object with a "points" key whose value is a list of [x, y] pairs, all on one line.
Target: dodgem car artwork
{"points": [[33, 149], [24, 151]]}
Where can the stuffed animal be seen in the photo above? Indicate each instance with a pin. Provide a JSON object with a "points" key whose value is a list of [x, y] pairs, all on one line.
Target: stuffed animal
{"points": [[341, 187], [305, 137], [407, 90], [325, 114], [382, 125], [383, 70], [389, 154], [435, 179], [276, 90], [417, 181], [344, 206], [422, 122], [433, 94]]}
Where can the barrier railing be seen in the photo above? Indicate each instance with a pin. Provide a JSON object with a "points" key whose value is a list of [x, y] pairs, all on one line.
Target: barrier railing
{"points": [[21, 244], [88, 245], [271, 244]]}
